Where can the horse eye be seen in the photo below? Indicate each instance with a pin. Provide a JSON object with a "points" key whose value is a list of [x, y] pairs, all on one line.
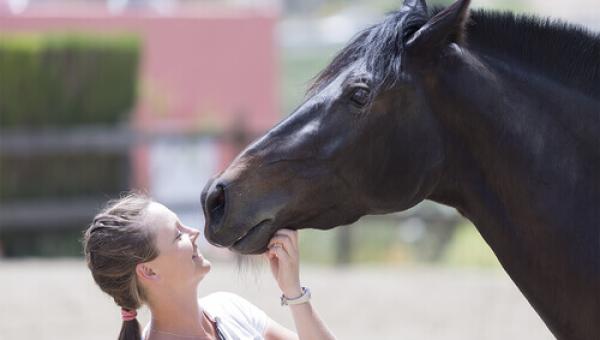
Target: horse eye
{"points": [[360, 96]]}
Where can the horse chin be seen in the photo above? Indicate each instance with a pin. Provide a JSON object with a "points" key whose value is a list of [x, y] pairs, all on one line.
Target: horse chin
{"points": [[255, 241]]}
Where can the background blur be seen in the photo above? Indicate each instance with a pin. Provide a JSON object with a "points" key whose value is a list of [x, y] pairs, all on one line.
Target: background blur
{"points": [[101, 97]]}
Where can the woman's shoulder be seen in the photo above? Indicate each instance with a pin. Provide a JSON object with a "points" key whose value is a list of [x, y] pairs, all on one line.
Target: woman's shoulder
{"points": [[221, 295], [228, 303], [223, 299], [233, 309]]}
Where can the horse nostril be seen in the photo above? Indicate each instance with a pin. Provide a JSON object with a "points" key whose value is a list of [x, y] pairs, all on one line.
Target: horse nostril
{"points": [[215, 204]]}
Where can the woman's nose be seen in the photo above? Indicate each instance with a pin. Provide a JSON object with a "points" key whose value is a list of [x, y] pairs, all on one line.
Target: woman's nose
{"points": [[194, 235], [188, 230]]}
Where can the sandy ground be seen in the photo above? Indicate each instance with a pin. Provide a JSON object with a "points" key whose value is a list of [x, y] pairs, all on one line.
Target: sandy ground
{"points": [[58, 300]]}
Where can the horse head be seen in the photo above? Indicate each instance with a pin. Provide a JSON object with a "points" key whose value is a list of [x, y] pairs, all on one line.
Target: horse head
{"points": [[363, 142]]}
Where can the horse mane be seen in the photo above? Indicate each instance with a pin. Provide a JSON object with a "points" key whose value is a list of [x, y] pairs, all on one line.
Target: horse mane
{"points": [[564, 52], [543, 45]]}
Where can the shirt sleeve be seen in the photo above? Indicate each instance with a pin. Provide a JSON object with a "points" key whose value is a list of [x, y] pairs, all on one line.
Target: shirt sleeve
{"points": [[256, 317]]}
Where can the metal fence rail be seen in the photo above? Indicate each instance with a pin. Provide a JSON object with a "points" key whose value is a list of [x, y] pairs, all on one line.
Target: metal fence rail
{"points": [[57, 212], [90, 139]]}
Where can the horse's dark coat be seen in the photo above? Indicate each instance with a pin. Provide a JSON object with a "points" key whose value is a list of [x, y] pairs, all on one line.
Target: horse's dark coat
{"points": [[493, 114]]}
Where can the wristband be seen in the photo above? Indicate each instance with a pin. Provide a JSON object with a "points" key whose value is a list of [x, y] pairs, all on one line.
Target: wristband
{"points": [[305, 297]]}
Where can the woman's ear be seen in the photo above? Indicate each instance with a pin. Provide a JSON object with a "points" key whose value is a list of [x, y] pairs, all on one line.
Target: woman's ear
{"points": [[145, 272]]}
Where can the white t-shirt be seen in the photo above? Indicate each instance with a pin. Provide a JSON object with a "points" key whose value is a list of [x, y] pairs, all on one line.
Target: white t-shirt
{"points": [[236, 318]]}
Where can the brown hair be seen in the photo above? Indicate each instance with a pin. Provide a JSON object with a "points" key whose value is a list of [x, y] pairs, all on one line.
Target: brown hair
{"points": [[114, 244]]}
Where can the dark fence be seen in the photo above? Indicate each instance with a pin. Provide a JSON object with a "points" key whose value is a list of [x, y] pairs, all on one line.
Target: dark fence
{"points": [[58, 178]]}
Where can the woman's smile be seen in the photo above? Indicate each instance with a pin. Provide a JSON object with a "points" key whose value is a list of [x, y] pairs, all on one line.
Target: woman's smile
{"points": [[197, 257]]}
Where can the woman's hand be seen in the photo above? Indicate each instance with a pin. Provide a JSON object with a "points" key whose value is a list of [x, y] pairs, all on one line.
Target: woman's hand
{"points": [[284, 260]]}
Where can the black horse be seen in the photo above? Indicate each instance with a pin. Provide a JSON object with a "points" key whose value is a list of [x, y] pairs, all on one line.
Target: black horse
{"points": [[494, 114]]}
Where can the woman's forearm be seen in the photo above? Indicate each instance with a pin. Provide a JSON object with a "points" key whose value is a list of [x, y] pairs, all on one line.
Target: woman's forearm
{"points": [[308, 323], [283, 257]]}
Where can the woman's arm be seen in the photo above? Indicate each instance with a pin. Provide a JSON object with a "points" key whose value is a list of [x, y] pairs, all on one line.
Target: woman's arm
{"points": [[283, 257]]}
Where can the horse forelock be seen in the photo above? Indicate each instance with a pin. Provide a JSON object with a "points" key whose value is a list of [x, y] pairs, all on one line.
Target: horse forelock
{"points": [[379, 48]]}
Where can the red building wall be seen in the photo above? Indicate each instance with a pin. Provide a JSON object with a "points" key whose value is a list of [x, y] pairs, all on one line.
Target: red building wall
{"points": [[201, 67]]}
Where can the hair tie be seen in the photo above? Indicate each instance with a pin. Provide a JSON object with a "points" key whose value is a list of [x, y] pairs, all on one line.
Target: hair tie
{"points": [[128, 315]]}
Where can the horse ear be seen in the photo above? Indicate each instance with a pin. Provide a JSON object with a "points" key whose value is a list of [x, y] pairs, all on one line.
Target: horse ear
{"points": [[418, 5], [445, 27]]}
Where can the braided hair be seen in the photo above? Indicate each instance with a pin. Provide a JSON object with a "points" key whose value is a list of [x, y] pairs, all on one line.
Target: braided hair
{"points": [[114, 244]]}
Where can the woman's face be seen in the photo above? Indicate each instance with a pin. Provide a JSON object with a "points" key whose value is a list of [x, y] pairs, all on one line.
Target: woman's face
{"points": [[179, 263]]}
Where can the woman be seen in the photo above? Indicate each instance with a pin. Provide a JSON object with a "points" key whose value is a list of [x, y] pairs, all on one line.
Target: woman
{"points": [[140, 253]]}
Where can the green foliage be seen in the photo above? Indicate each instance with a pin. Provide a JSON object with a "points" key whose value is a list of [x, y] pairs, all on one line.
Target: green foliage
{"points": [[378, 241], [299, 68], [67, 79], [468, 248], [372, 241], [62, 81]]}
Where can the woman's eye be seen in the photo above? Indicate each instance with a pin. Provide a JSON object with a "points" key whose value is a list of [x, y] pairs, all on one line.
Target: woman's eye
{"points": [[360, 96], [179, 236]]}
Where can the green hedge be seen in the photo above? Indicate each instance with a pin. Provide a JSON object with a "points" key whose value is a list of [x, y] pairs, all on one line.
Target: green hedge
{"points": [[67, 79]]}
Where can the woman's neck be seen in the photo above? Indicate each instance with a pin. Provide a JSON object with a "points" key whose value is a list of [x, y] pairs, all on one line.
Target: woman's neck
{"points": [[178, 312]]}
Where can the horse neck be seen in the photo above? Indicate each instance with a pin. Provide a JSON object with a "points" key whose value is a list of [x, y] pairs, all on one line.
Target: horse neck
{"points": [[514, 133], [510, 156]]}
